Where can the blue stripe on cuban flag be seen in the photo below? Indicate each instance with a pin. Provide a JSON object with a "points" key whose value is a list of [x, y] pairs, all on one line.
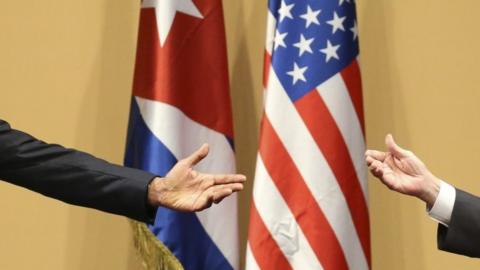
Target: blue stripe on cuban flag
{"points": [[159, 134]]}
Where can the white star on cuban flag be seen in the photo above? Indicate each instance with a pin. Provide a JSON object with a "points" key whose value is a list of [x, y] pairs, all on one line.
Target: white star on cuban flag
{"points": [[166, 10]]}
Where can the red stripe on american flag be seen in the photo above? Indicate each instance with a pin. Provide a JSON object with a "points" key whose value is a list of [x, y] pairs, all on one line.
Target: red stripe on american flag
{"points": [[300, 200], [266, 251], [326, 134], [266, 69], [351, 77]]}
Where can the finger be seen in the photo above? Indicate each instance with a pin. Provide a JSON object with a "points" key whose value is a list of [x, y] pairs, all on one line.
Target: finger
{"points": [[380, 171], [223, 191], [372, 163], [221, 179], [222, 194], [198, 155], [378, 155], [208, 202], [219, 192], [369, 160], [393, 147], [376, 168], [205, 201], [235, 187]]}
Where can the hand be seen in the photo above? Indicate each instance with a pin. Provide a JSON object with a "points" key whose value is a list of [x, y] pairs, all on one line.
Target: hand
{"points": [[185, 189], [402, 171]]}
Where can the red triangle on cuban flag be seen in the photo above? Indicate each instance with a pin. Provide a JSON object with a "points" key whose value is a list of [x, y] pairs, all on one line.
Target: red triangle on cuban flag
{"points": [[181, 60]]}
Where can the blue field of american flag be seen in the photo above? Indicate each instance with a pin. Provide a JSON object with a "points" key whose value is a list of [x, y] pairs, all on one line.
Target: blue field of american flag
{"points": [[309, 208]]}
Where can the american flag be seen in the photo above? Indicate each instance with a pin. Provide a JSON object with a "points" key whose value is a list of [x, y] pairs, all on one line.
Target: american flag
{"points": [[309, 208], [181, 100]]}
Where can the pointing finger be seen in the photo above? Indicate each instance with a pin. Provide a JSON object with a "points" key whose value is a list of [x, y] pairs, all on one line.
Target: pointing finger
{"points": [[220, 179]]}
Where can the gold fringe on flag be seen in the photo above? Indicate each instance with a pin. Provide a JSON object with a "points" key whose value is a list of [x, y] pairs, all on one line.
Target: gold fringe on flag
{"points": [[153, 253]]}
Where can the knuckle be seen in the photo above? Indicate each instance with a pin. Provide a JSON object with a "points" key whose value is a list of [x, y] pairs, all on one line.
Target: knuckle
{"points": [[207, 183], [211, 182], [182, 161]]}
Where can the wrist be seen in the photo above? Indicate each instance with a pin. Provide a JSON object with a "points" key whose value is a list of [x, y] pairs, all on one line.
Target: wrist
{"points": [[431, 190], [156, 192]]}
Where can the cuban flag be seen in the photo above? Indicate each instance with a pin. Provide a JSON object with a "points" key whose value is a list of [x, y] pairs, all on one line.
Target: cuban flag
{"points": [[309, 208], [180, 101]]}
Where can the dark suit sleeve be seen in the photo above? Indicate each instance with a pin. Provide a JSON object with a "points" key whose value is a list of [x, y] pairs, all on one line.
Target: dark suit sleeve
{"points": [[462, 236], [72, 176]]}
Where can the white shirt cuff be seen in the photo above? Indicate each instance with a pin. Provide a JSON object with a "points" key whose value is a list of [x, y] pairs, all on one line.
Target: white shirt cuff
{"points": [[443, 206]]}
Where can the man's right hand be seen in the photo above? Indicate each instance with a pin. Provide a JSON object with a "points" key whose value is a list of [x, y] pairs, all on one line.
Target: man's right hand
{"points": [[402, 171]]}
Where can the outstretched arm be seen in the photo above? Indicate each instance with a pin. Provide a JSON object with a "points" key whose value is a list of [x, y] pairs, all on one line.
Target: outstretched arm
{"points": [[82, 179], [456, 210]]}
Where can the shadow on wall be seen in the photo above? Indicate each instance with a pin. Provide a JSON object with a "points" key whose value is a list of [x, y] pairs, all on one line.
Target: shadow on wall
{"points": [[385, 103], [104, 120], [245, 27]]}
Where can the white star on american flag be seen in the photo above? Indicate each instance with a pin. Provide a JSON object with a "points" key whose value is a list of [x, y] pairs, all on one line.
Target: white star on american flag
{"points": [[285, 11], [337, 23], [330, 51], [298, 73], [311, 17], [279, 40], [354, 30], [304, 45]]}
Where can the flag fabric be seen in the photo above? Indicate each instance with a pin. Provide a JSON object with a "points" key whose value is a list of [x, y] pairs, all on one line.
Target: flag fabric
{"points": [[309, 208], [181, 100]]}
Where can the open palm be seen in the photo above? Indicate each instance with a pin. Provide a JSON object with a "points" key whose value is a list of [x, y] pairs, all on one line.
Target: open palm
{"points": [[185, 189], [400, 170]]}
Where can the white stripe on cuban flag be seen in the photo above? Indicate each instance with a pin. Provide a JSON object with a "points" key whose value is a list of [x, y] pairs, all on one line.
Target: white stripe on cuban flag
{"points": [[182, 136]]}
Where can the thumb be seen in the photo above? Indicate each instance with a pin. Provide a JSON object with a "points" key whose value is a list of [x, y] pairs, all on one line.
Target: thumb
{"points": [[198, 155], [393, 147]]}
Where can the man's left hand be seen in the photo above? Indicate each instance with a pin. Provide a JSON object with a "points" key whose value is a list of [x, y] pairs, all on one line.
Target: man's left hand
{"points": [[185, 189]]}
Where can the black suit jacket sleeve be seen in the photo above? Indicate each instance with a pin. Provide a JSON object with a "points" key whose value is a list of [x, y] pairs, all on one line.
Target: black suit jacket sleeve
{"points": [[462, 236], [73, 176]]}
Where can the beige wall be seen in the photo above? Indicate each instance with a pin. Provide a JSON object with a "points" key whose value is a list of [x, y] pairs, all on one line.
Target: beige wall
{"points": [[65, 75], [421, 82]]}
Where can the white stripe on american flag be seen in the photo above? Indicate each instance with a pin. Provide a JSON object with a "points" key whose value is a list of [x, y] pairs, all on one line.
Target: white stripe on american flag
{"points": [[271, 25], [250, 263], [335, 95], [314, 169], [273, 209]]}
